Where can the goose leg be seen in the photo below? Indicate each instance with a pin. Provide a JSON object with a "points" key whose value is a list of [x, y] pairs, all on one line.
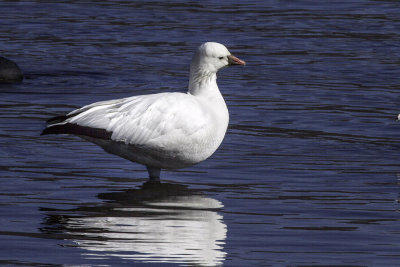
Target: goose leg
{"points": [[154, 174]]}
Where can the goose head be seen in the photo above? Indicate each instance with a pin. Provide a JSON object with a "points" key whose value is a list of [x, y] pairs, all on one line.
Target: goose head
{"points": [[211, 57]]}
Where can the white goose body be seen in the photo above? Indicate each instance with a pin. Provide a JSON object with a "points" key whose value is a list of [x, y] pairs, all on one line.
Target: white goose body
{"points": [[165, 130]]}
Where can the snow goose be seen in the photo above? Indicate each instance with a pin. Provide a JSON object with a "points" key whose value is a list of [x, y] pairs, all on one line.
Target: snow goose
{"points": [[161, 131]]}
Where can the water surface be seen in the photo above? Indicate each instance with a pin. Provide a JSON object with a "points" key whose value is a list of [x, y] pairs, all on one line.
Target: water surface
{"points": [[307, 175]]}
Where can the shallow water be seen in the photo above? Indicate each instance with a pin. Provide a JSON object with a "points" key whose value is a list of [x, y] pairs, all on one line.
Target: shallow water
{"points": [[307, 175]]}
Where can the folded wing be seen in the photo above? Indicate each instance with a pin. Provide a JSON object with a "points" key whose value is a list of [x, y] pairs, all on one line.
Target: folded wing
{"points": [[157, 120]]}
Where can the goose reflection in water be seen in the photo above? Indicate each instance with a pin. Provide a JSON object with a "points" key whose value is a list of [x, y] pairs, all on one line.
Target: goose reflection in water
{"points": [[157, 223]]}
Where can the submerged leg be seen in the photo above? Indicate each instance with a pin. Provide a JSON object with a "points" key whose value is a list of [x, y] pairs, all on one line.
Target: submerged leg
{"points": [[154, 173]]}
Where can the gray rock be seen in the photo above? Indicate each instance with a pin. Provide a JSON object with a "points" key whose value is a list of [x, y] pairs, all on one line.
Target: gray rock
{"points": [[9, 71]]}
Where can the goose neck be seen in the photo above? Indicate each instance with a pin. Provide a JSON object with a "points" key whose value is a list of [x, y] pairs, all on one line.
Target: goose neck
{"points": [[202, 82]]}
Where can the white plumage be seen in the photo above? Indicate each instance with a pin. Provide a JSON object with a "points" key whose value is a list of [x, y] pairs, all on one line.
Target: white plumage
{"points": [[161, 131]]}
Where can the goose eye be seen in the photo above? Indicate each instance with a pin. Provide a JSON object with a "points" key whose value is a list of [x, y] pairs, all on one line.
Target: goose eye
{"points": [[221, 58]]}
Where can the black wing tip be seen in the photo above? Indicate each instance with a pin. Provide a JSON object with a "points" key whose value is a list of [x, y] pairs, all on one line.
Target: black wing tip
{"points": [[54, 129], [71, 128]]}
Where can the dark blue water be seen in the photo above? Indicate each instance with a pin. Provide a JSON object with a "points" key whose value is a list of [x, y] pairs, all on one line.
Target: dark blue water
{"points": [[307, 175]]}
